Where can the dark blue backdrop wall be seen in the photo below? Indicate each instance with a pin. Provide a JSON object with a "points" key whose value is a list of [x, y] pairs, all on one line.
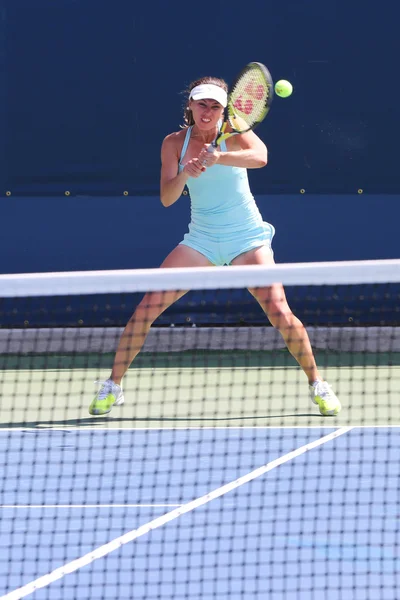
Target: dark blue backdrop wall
{"points": [[89, 88]]}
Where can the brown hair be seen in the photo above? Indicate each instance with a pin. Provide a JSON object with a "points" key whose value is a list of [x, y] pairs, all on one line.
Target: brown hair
{"points": [[187, 113]]}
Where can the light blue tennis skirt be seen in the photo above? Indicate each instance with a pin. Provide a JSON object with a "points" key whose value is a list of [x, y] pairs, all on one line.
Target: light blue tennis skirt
{"points": [[221, 249]]}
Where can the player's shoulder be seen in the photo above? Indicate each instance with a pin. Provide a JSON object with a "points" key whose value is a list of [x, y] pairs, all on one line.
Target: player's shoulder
{"points": [[175, 138], [172, 144]]}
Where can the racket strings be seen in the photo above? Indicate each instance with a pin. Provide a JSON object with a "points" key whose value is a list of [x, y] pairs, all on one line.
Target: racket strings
{"points": [[248, 100]]}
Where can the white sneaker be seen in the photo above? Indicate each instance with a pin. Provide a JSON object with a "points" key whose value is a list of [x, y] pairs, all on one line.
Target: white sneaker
{"points": [[321, 394], [110, 394]]}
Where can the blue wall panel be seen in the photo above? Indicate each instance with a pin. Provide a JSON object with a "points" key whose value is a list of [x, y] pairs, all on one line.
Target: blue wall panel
{"points": [[49, 234], [123, 232], [93, 86]]}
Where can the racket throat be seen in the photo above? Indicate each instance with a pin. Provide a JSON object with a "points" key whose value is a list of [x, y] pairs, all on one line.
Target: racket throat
{"points": [[220, 138]]}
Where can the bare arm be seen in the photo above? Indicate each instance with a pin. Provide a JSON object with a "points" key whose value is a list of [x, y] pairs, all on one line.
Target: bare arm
{"points": [[173, 182], [245, 150]]}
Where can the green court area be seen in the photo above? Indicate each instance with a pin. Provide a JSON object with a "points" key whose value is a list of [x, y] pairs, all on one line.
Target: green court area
{"points": [[199, 389]]}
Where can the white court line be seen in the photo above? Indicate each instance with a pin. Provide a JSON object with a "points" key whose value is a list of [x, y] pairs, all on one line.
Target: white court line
{"points": [[88, 505], [115, 544]]}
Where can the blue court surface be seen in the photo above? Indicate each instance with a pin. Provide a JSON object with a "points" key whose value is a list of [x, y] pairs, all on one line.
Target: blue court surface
{"points": [[325, 524]]}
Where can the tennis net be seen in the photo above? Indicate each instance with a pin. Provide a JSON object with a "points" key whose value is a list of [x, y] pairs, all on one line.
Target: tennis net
{"points": [[218, 477]]}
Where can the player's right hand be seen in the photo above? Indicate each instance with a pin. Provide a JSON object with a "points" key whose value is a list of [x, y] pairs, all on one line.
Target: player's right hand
{"points": [[194, 168]]}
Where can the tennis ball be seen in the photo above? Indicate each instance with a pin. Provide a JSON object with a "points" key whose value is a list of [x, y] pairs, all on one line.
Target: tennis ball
{"points": [[283, 88]]}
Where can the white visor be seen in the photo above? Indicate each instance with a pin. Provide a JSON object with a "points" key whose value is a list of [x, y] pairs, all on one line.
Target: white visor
{"points": [[211, 91]]}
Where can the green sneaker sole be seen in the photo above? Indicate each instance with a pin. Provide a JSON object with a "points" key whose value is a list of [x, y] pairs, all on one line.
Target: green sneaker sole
{"points": [[102, 407], [328, 410]]}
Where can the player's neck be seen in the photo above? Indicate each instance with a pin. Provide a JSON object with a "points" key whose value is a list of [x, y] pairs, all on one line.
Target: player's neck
{"points": [[204, 136]]}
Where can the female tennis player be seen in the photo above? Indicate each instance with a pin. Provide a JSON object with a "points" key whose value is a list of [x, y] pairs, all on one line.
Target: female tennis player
{"points": [[226, 229]]}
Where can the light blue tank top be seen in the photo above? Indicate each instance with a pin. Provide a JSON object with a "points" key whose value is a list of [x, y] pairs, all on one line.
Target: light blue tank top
{"points": [[221, 199]]}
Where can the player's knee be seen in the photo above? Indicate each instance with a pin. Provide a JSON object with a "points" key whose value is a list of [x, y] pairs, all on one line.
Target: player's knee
{"points": [[281, 319], [148, 310]]}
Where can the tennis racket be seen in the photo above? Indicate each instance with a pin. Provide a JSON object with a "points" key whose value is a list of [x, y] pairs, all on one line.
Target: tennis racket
{"points": [[249, 101]]}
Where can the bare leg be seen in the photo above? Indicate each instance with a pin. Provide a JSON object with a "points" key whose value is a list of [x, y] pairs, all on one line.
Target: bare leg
{"points": [[273, 302], [149, 309]]}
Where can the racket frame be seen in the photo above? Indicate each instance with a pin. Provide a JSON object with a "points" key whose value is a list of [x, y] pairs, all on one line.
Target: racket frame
{"points": [[229, 111]]}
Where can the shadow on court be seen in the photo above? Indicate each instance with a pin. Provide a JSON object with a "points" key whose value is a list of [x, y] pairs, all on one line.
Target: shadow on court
{"points": [[107, 420]]}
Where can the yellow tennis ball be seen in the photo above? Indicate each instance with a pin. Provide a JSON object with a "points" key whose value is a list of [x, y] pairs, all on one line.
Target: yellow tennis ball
{"points": [[283, 88]]}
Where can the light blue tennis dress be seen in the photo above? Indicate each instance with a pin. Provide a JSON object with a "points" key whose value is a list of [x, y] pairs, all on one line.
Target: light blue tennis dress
{"points": [[225, 220]]}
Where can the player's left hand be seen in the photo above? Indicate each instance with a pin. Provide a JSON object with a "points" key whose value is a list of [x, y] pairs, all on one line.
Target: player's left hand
{"points": [[207, 158]]}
